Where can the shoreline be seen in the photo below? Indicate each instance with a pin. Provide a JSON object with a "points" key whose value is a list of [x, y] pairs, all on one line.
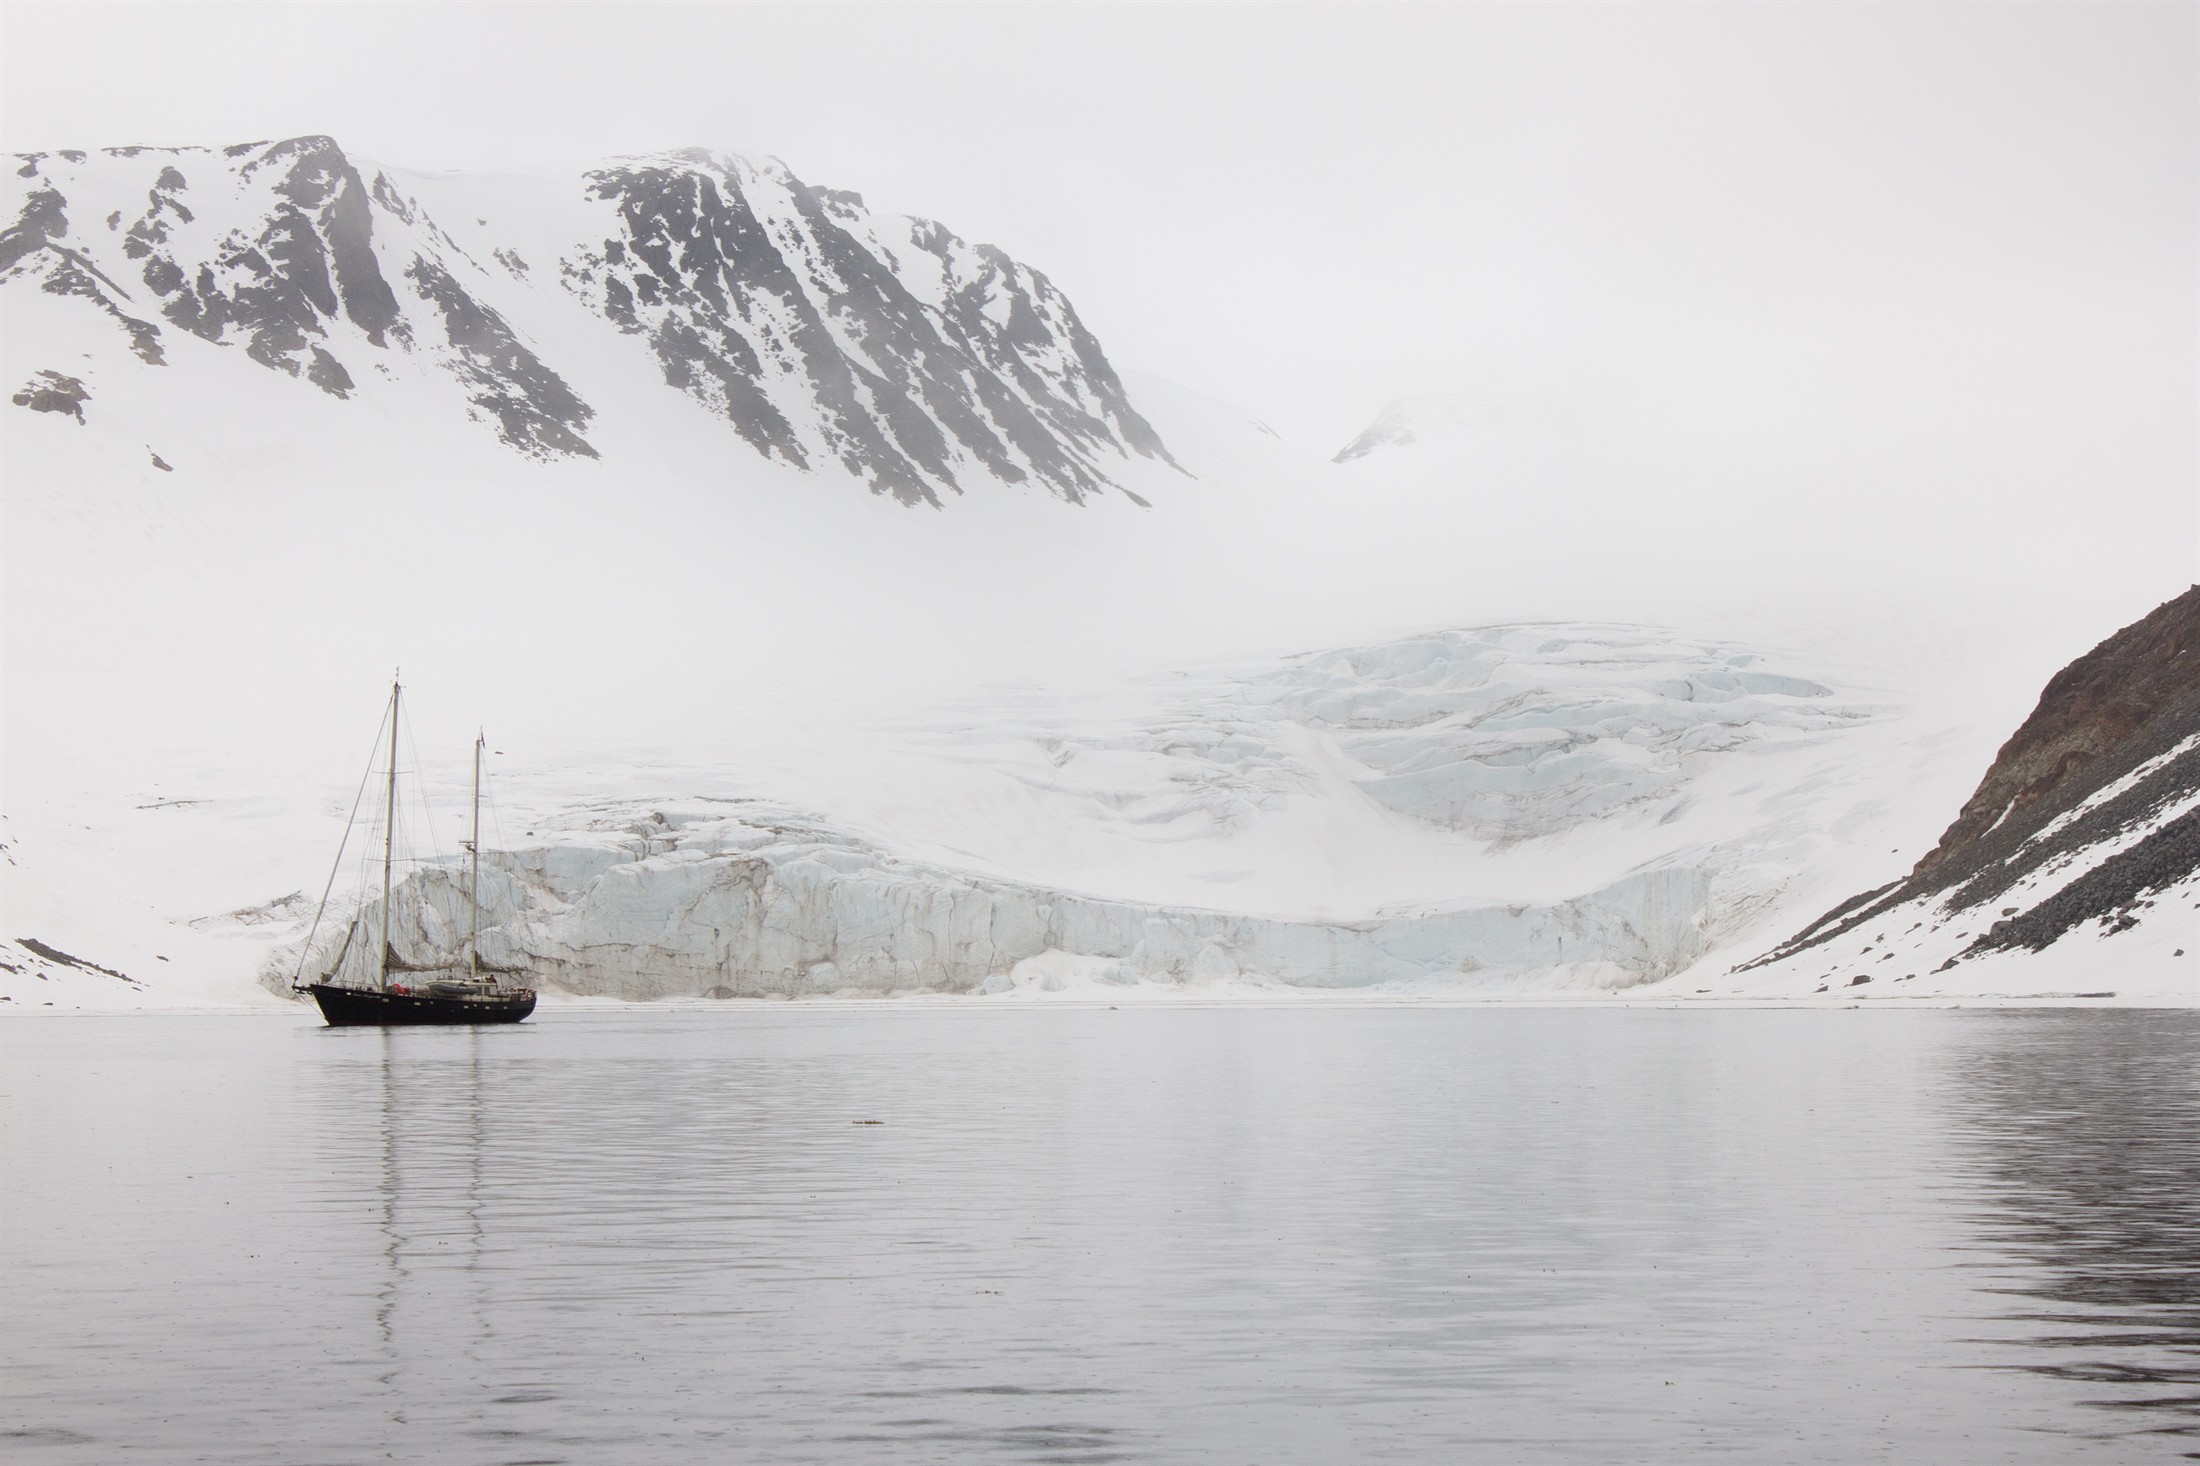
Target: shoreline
{"points": [[965, 1002]]}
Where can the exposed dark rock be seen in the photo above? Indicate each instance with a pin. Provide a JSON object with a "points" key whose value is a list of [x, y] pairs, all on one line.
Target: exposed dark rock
{"points": [[327, 373], [746, 310], [732, 279], [34, 243], [76, 262], [535, 410], [52, 392], [2127, 712], [387, 197], [163, 276], [69, 273], [816, 330], [45, 216], [2089, 711], [325, 186], [2109, 892], [151, 231], [38, 948], [280, 280], [1043, 349], [618, 304]]}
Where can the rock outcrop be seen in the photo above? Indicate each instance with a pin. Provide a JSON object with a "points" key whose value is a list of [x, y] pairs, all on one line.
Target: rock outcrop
{"points": [[2089, 817]]}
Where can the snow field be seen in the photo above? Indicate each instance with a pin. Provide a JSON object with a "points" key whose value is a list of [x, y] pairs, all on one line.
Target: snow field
{"points": [[1487, 713]]}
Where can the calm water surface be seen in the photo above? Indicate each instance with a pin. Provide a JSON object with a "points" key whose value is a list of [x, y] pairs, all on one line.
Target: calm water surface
{"points": [[1322, 1235]]}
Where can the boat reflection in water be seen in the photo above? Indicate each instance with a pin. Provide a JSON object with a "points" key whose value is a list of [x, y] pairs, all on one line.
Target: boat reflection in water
{"points": [[434, 1299], [2082, 1160]]}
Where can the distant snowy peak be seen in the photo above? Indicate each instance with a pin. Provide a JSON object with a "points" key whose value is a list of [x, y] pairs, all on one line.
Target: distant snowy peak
{"points": [[817, 332], [1393, 427], [1436, 418]]}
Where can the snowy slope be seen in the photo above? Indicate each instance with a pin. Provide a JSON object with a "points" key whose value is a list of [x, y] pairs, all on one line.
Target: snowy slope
{"points": [[812, 329], [2074, 865], [1200, 703]]}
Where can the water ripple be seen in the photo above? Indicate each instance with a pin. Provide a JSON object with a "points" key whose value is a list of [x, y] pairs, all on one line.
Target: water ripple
{"points": [[1285, 1235]]}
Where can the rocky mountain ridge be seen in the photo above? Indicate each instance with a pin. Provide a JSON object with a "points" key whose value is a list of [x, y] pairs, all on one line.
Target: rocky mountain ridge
{"points": [[816, 332], [2087, 821]]}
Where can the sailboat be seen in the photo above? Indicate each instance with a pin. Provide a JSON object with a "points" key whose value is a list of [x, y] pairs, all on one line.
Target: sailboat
{"points": [[403, 992]]}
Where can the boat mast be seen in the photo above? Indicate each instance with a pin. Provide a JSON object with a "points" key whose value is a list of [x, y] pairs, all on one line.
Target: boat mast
{"points": [[389, 840], [473, 848]]}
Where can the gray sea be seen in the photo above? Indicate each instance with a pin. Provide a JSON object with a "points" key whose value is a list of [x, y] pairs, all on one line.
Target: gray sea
{"points": [[951, 1233]]}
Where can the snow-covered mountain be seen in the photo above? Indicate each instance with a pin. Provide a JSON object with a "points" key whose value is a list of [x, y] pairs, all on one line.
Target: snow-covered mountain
{"points": [[813, 330], [618, 462], [2079, 852]]}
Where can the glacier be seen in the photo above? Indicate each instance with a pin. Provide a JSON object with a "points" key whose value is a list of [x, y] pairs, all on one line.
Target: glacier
{"points": [[668, 902], [1490, 741], [953, 658]]}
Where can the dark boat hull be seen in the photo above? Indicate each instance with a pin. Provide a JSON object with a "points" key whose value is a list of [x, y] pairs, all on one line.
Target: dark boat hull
{"points": [[365, 1007]]}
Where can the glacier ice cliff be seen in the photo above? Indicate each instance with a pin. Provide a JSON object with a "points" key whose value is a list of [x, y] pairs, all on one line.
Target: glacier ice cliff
{"points": [[658, 902]]}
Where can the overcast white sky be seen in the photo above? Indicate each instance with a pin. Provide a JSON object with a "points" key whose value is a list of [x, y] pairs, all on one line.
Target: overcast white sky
{"points": [[1937, 226]]}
